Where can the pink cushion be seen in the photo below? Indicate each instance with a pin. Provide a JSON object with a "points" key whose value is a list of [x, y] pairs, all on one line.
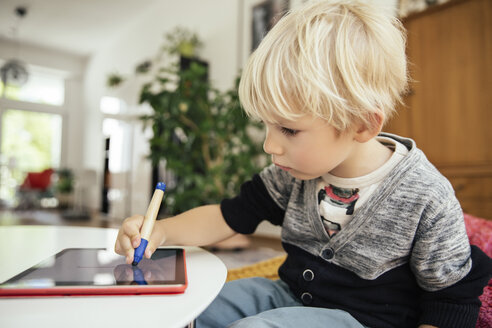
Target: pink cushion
{"points": [[480, 233]]}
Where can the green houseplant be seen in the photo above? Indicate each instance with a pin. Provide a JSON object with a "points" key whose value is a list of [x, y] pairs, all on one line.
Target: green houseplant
{"points": [[201, 133]]}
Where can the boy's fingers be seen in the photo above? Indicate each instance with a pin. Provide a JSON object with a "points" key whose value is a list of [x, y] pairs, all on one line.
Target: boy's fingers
{"points": [[129, 255], [117, 247], [124, 247], [131, 228], [121, 244], [129, 237]]}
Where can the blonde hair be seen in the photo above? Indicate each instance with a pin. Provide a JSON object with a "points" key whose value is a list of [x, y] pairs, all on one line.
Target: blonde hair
{"points": [[338, 60]]}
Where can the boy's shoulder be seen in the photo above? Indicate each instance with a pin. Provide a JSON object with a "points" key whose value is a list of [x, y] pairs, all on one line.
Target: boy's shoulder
{"points": [[417, 177], [272, 172], [278, 183]]}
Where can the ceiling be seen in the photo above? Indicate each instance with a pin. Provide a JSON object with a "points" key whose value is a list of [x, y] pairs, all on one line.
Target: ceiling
{"points": [[79, 27]]}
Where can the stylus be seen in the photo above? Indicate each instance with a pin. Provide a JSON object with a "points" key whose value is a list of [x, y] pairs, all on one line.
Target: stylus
{"points": [[138, 276], [149, 221]]}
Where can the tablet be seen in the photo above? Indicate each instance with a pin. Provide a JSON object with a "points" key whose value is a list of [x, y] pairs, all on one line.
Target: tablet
{"points": [[98, 271]]}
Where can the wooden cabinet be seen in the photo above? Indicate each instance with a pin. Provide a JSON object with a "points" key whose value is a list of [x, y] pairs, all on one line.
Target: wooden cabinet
{"points": [[448, 110]]}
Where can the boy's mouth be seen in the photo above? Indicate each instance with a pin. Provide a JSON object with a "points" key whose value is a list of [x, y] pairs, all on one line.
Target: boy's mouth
{"points": [[285, 168]]}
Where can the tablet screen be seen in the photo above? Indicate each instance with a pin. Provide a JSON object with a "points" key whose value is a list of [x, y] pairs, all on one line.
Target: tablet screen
{"points": [[101, 267]]}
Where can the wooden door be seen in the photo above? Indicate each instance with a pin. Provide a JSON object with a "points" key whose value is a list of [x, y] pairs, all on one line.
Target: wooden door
{"points": [[449, 107]]}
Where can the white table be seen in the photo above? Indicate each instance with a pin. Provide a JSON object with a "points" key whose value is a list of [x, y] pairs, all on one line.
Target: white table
{"points": [[23, 246]]}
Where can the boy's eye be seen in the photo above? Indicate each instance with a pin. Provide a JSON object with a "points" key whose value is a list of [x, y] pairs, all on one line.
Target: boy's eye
{"points": [[288, 132]]}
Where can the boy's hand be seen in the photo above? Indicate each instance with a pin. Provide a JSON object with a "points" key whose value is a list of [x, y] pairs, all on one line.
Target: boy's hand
{"points": [[129, 238], [427, 326]]}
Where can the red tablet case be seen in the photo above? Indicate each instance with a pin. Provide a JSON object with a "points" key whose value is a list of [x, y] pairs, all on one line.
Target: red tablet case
{"points": [[98, 290]]}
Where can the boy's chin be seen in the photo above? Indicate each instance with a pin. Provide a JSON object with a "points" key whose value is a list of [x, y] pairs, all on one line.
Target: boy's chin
{"points": [[302, 176]]}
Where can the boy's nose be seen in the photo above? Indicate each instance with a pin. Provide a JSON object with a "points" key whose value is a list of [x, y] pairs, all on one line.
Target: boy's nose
{"points": [[270, 146]]}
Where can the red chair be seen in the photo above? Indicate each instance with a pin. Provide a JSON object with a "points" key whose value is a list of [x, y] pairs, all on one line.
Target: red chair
{"points": [[37, 180], [36, 186]]}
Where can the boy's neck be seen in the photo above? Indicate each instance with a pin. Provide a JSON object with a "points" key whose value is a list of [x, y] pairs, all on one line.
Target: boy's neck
{"points": [[367, 157]]}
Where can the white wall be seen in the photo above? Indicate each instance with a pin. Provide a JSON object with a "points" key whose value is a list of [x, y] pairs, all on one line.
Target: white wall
{"points": [[46, 57]]}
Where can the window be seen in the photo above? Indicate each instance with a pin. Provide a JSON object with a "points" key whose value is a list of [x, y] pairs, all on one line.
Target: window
{"points": [[31, 126], [112, 105], [33, 138], [31, 142], [43, 87]]}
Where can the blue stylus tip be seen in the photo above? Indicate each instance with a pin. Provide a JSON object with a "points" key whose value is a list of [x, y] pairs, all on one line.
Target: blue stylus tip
{"points": [[139, 251], [161, 186]]}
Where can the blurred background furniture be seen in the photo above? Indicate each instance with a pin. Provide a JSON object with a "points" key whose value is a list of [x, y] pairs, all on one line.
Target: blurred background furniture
{"points": [[36, 186]]}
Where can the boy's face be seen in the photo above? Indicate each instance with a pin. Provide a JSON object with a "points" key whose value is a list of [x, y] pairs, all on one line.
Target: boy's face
{"points": [[309, 147]]}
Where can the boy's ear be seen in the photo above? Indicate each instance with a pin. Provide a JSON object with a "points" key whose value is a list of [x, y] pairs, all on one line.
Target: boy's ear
{"points": [[365, 132]]}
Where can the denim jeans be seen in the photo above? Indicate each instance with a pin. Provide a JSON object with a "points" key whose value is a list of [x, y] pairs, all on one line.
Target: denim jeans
{"points": [[262, 303]]}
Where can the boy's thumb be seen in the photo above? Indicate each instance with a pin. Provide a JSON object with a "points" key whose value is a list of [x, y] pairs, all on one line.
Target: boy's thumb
{"points": [[156, 239], [152, 246], [150, 249]]}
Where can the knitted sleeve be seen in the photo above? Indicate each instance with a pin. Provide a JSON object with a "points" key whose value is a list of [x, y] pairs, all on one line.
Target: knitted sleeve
{"points": [[458, 305], [441, 253], [451, 273], [254, 204]]}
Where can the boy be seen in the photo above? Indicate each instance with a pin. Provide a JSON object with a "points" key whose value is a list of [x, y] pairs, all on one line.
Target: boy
{"points": [[374, 234]]}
